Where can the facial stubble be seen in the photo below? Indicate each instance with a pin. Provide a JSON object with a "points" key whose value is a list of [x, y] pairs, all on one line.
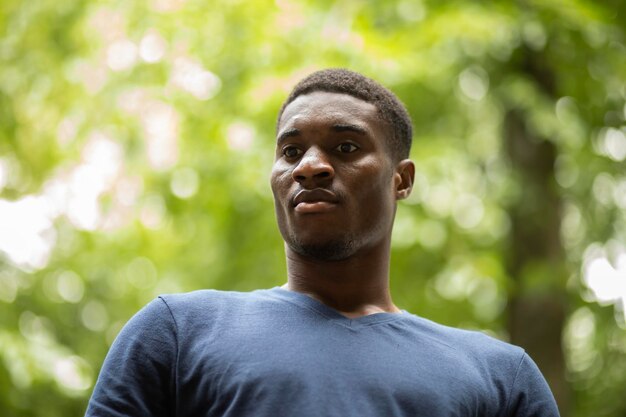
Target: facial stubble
{"points": [[332, 250]]}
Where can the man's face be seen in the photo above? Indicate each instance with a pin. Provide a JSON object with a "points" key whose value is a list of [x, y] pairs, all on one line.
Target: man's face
{"points": [[334, 181]]}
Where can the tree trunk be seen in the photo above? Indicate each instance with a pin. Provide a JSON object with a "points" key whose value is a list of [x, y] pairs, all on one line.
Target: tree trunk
{"points": [[535, 258]]}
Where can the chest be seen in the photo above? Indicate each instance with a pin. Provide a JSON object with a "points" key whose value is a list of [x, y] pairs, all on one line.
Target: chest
{"points": [[325, 369]]}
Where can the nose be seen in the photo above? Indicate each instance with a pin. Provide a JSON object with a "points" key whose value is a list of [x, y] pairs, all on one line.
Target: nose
{"points": [[313, 168]]}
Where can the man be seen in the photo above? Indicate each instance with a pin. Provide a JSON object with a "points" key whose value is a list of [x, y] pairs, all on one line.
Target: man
{"points": [[330, 342]]}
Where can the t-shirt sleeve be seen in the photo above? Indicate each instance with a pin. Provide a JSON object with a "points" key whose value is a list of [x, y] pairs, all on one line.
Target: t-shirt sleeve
{"points": [[137, 376], [530, 395]]}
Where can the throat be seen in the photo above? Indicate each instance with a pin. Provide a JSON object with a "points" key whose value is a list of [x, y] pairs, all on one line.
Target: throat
{"points": [[355, 286]]}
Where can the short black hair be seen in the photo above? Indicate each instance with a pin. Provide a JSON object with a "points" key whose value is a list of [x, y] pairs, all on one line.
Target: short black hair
{"points": [[343, 81]]}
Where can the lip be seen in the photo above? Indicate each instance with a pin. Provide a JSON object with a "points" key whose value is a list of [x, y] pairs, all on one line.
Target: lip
{"points": [[318, 200]]}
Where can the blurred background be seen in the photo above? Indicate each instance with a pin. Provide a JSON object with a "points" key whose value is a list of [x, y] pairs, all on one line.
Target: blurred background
{"points": [[136, 140]]}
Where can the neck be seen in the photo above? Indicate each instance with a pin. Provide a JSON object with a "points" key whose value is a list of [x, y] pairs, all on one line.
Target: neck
{"points": [[355, 287]]}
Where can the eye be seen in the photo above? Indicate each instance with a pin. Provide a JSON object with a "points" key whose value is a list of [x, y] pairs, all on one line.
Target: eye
{"points": [[347, 147], [291, 152]]}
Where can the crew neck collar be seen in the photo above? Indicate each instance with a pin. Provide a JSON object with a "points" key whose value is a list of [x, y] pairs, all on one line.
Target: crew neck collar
{"points": [[308, 302]]}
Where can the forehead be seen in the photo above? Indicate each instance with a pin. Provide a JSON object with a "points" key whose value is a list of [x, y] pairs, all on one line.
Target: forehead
{"points": [[325, 107]]}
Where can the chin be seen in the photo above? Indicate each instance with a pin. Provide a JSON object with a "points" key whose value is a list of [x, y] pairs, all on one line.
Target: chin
{"points": [[328, 251]]}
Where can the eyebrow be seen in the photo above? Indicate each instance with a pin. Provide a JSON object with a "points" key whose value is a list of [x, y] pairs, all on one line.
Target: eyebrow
{"points": [[349, 128], [335, 128], [287, 134]]}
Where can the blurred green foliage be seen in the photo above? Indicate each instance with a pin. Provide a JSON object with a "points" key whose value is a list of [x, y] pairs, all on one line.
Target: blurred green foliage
{"points": [[136, 140]]}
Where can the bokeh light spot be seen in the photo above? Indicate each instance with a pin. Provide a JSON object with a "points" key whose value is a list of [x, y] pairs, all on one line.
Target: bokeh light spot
{"points": [[474, 83], [432, 234], [152, 211], [152, 47], [70, 286], [468, 211], [72, 373], [121, 55], [27, 234], [94, 316], [578, 339], [240, 136], [4, 173], [141, 273], [8, 287], [184, 183], [160, 123], [190, 76]]}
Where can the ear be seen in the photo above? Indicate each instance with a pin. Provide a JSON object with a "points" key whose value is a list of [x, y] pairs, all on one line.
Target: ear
{"points": [[403, 178]]}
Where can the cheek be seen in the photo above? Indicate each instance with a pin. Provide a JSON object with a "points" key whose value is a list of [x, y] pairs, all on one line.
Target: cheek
{"points": [[280, 182], [372, 173], [377, 195], [277, 180]]}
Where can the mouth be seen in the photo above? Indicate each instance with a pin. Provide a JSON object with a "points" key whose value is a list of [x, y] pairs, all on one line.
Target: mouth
{"points": [[318, 200]]}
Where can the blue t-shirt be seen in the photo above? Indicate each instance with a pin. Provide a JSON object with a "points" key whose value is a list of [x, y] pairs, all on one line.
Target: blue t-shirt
{"points": [[281, 353]]}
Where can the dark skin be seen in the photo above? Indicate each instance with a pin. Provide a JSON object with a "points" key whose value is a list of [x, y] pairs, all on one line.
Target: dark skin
{"points": [[336, 184]]}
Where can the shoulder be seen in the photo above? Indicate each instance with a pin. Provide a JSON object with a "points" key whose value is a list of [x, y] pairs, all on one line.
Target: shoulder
{"points": [[502, 369], [211, 299], [212, 305], [477, 347], [456, 337], [204, 296]]}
